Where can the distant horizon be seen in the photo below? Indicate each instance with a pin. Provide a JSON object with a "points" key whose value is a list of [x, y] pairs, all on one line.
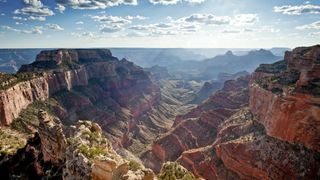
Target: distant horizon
{"points": [[152, 47], [159, 23]]}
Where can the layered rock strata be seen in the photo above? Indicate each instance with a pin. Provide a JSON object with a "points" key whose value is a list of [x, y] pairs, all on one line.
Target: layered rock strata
{"points": [[66, 69], [198, 127]]}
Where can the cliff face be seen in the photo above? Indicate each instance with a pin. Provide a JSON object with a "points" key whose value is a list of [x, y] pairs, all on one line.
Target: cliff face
{"points": [[287, 102], [198, 127], [66, 69], [242, 150], [90, 84], [267, 129]]}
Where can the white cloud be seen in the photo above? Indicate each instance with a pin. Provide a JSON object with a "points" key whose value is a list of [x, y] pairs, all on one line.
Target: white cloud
{"points": [[9, 28], [140, 27], [37, 18], [80, 22], [231, 31], [315, 34], [263, 29], [298, 10], [245, 19], [196, 1], [114, 20], [110, 28], [95, 4], [34, 30], [34, 3], [35, 10], [267, 29], [314, 25], [173, 27], [209, 19], [164, 2], [170, 2], [60, 8], [137, 34], [88, 35], [19, 18], [136, 17], [55, 27]]}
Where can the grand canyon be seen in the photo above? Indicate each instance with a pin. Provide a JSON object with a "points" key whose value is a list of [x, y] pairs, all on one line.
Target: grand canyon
{"points": [[83, 113], [159, 90]]}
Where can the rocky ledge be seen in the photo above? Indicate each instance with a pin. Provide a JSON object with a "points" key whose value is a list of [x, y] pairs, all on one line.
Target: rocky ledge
{"points": [[263, 128], [64, 69], [285, 97], [80, 151]]}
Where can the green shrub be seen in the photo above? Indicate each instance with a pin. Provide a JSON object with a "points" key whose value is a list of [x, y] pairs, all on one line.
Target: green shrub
{"points": [[134, 165]]}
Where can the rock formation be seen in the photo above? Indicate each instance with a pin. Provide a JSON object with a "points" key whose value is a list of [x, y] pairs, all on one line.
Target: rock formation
{"points": [[198, 127], [80, 151], [66, 69], [263, 126], [287, 102], [267, 130], [90, 84], [53, 141]]}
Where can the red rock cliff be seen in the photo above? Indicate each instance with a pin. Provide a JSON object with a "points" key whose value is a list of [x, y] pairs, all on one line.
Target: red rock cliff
{"points": [[287, 103], [65, 69]]}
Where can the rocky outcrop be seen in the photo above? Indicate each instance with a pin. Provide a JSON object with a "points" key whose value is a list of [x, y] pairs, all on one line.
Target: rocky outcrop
{"points": [[53, 141], [90, 156], [84, 154], [28, 163], [73, 68], [286, 100], [198, 128], [274, 136], [242, 150]]}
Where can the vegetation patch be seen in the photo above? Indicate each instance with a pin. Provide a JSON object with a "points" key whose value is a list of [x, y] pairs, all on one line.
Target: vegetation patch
{"points": [[11, 141], [28, 120], [9, 80]]}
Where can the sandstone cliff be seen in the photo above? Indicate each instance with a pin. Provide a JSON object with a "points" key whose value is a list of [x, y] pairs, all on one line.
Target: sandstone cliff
{"points": [[267, 130], [198, 127], [242, 150], [286, 101], [66, 69]]}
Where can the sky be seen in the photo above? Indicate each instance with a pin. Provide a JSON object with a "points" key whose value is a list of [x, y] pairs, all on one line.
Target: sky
{"points": [[159, 23]]}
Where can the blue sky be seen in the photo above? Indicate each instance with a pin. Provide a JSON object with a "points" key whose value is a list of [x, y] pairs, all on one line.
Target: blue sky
{"points": [[159, 23]]}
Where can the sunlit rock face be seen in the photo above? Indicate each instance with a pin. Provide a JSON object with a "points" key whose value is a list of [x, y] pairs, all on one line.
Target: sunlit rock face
{"points": [[243, 150], [198, 128], [66, 69], [286, 101], [273, 134]]}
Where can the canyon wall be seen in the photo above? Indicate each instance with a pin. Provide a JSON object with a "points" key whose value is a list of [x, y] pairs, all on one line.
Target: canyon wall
{"points": [[198, 128], [293, 112], [265, 129], [94, 64]]}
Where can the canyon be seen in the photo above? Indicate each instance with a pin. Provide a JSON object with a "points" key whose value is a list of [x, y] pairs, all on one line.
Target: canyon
{"points": [[83, 113]]}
